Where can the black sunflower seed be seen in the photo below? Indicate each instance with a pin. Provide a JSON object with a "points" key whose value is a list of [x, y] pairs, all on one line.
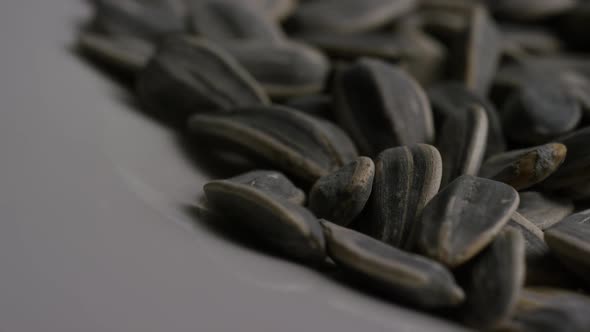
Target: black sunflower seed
{"points": [[188, 76], [406, 178], [544, 210], [482, 45], [570, 241], [349, 16], [276, 9], [272, 182], [283, 70], [539, 113], [341, 196], [412, 278], [223, 20], [381, 106], [149, 20], [541, 267], [128, 54], [524, 168], [421, 55], [450, 98], [496, 277], [462, 141], [520, 42], [464, 218], [572, 177], [549, 310], [287, 226], [295, 143]]}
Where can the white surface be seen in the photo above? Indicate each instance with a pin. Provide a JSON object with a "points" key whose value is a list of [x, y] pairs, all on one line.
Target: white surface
{"points": [[92, 233]]}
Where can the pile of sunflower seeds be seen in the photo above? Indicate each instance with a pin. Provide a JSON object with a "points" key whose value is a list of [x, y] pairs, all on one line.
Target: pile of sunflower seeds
{"points": [[436, 149]]}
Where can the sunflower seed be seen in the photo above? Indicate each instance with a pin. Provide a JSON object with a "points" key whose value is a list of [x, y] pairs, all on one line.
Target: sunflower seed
{"points": [[317, 105], [549, 310], [412, 278], [128, 54], [520, 42], [540, 112], [149, 20], [188, 75], [223, 20], [446, 20], [272, 182], [284, 70], [570, 241], [297, 144], [349, 16], [464, 218], [541, 267], [481, 54], [524, 168], [572, 73], [418, 53], [287, 226], [544, 210], [529, 10], [276, 9], [496, 277], [449, 98], [406, 178], [462, 142], [381, 106], [341, 196], [574, 174]]}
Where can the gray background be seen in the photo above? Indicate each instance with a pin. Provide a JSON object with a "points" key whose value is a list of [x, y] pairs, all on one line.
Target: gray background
{"points": [[93, 236]]}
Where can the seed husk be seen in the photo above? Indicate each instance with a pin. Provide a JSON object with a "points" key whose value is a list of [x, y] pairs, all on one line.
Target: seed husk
{"points": [[188, 76], [381, 106], [226, 20], [464, 218], [272, 182], [544, 210], [526, 167], [287, 226], [349, 16], [549, 310], [150, 20], [406, 178], [462, 142], [449, 98], [341, 196], [529, 10], [496, 277], [570, 241], [128, 54], [481, 54], [296, 143], [412, 278], [285, 70]]}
